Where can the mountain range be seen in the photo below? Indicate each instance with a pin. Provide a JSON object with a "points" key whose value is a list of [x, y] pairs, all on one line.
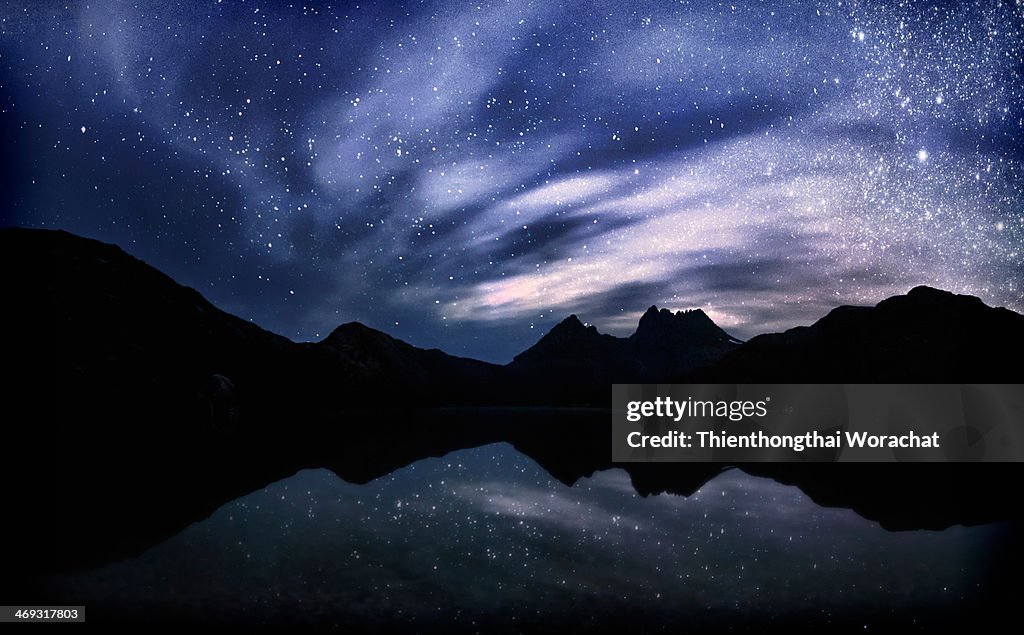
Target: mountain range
{"points": [[121, 332], [135, 406]]}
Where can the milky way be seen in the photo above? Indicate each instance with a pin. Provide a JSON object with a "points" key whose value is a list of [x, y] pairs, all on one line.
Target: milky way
{"points": [[464, 175]]}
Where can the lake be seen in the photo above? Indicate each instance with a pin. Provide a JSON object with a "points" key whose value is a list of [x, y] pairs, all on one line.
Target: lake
{"points": [[484, 539]]}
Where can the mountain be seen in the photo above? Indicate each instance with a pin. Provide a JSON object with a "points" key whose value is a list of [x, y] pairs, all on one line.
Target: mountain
{"points": [[102, 332], [572, 344], [671, 344], [130, 395], [410, 374], [927, 335], [574, 363]]}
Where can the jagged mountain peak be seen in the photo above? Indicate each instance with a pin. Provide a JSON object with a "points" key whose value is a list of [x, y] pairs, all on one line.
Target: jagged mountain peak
{"points": [[572, 328], [653, 309], [665, 344], [654, 315], [663, 326], [571, 323]]}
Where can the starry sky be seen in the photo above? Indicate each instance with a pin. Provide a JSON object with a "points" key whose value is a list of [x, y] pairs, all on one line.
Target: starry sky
{"points": [[464, 175]]}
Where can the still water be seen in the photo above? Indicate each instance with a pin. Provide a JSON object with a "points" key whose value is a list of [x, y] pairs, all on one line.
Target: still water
{"points": [[484, 537]]}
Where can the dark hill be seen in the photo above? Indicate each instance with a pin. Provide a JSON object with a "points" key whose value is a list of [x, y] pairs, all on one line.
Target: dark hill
{"points": [[400, 372], [927, 335]]}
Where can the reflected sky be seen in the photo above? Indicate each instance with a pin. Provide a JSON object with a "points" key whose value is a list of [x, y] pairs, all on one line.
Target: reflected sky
{"points": [[484, 537]]}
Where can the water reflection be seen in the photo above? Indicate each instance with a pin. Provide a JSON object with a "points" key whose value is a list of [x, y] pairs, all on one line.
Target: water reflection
{"points": [[484, 537]]}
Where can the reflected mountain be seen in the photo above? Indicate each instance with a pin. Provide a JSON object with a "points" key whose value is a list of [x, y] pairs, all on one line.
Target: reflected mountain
{"points": [[484, 539], [137, 407]]}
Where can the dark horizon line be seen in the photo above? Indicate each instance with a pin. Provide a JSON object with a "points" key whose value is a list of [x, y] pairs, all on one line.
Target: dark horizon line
{"points": [[5, 228]]}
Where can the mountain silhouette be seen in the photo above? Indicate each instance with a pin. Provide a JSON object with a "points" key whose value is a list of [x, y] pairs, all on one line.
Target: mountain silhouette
{"points": [[137, 407], [673, 343], [665, 344], [574, 363], [411, 374], [927, 335]]}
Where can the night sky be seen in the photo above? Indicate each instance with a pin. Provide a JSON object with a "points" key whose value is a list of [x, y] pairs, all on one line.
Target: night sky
{"points": [[464, 175]]}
